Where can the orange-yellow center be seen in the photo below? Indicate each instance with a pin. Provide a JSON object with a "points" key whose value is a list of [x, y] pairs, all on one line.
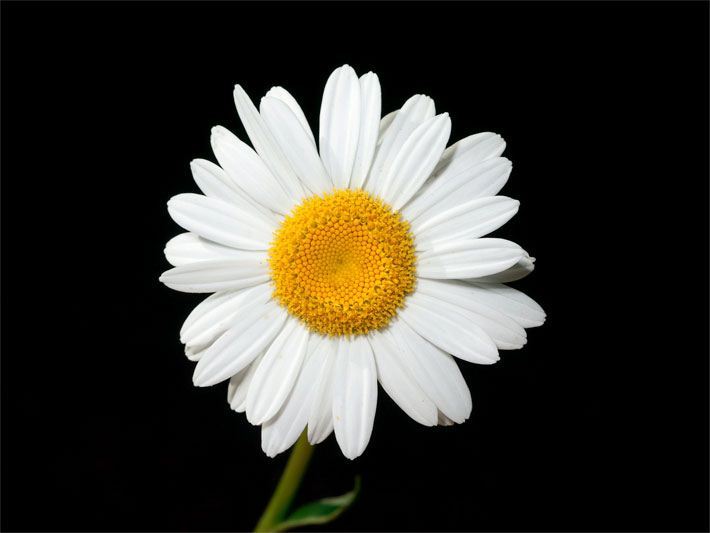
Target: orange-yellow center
{"points": [[343, 262]]}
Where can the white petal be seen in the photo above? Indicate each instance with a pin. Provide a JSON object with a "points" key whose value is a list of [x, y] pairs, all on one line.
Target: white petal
{"points": [[279, 433], [233, 384], [449, 328], [214, 315], [320, 419], [435, 371], [385, 123], [194, 352], [354, 395], [255, 327], [463, 157], [468, 258], [239, 385], [370, 109], [415, 111], [505, 332], [470, 151], [283, 95], [340, 124], [277, 372], [396, 379], [248, 171], [220, 222], [299, 148], [189, 248], [415, 160], [216, 183], [444, 420], [467, 220], [214, 276], [447, 189], [513, 303], [265, 145], [518, 271]]}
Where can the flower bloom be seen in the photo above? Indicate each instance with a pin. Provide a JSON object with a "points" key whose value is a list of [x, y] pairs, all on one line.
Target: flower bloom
{"points": [[343, 263]]}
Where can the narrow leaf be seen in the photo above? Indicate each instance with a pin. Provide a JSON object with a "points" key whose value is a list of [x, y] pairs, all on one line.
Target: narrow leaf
{"points": [[320, 511]]}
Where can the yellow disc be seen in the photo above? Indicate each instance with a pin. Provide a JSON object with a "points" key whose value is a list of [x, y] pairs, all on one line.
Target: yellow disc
{"points": [[343, 262]]}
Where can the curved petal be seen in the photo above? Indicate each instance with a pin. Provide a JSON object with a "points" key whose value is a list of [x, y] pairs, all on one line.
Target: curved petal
{"points": [[415, 111], [188, 248], [467, 220], [320, 419], [435, 371], [283, 95], [505, 332], [370, 109], [299, 148], [277, 372], [447, 189], [220, 222], [449, 328], [214, 314], [385, 123], [239, 385], [340, 124], [279, 433], [255, 327], [396, 379], [415, 160], [470, 151], [509, 301], [216, 183], [214, 276], [265, 145], [248, 170], [194, 352], [444, 420], [354, 395], [518, 271], [464, 155], [469, 258]]}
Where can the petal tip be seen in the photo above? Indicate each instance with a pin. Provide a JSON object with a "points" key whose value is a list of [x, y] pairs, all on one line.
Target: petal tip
{"points": [[199, 377], [218, 131]]}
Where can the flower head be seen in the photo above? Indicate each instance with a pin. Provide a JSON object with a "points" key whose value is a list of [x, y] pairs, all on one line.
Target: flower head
{"points": [[340, 265]]}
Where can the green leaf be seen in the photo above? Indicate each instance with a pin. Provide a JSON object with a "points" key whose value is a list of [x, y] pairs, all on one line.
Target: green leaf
{"points": [[320, 511]]}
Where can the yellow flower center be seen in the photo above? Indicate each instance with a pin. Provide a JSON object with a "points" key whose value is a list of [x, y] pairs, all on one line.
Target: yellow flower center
{"points": [[343, 262]]}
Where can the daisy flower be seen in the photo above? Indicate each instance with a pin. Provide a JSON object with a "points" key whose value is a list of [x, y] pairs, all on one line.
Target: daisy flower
{"points": [[345, 261]]}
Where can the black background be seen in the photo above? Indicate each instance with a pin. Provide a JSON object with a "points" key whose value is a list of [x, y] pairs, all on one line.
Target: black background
{"points": [[599, 423]]}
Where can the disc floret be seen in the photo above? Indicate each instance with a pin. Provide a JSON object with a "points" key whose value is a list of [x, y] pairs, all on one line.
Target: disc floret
{"points": [[343, 262]]}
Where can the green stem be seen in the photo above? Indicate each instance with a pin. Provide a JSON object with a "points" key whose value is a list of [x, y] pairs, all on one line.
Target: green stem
{"points": [[288, 485]]}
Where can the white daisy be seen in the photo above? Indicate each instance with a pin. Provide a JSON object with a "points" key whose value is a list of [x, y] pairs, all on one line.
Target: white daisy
{"points": [[340, 265]]}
